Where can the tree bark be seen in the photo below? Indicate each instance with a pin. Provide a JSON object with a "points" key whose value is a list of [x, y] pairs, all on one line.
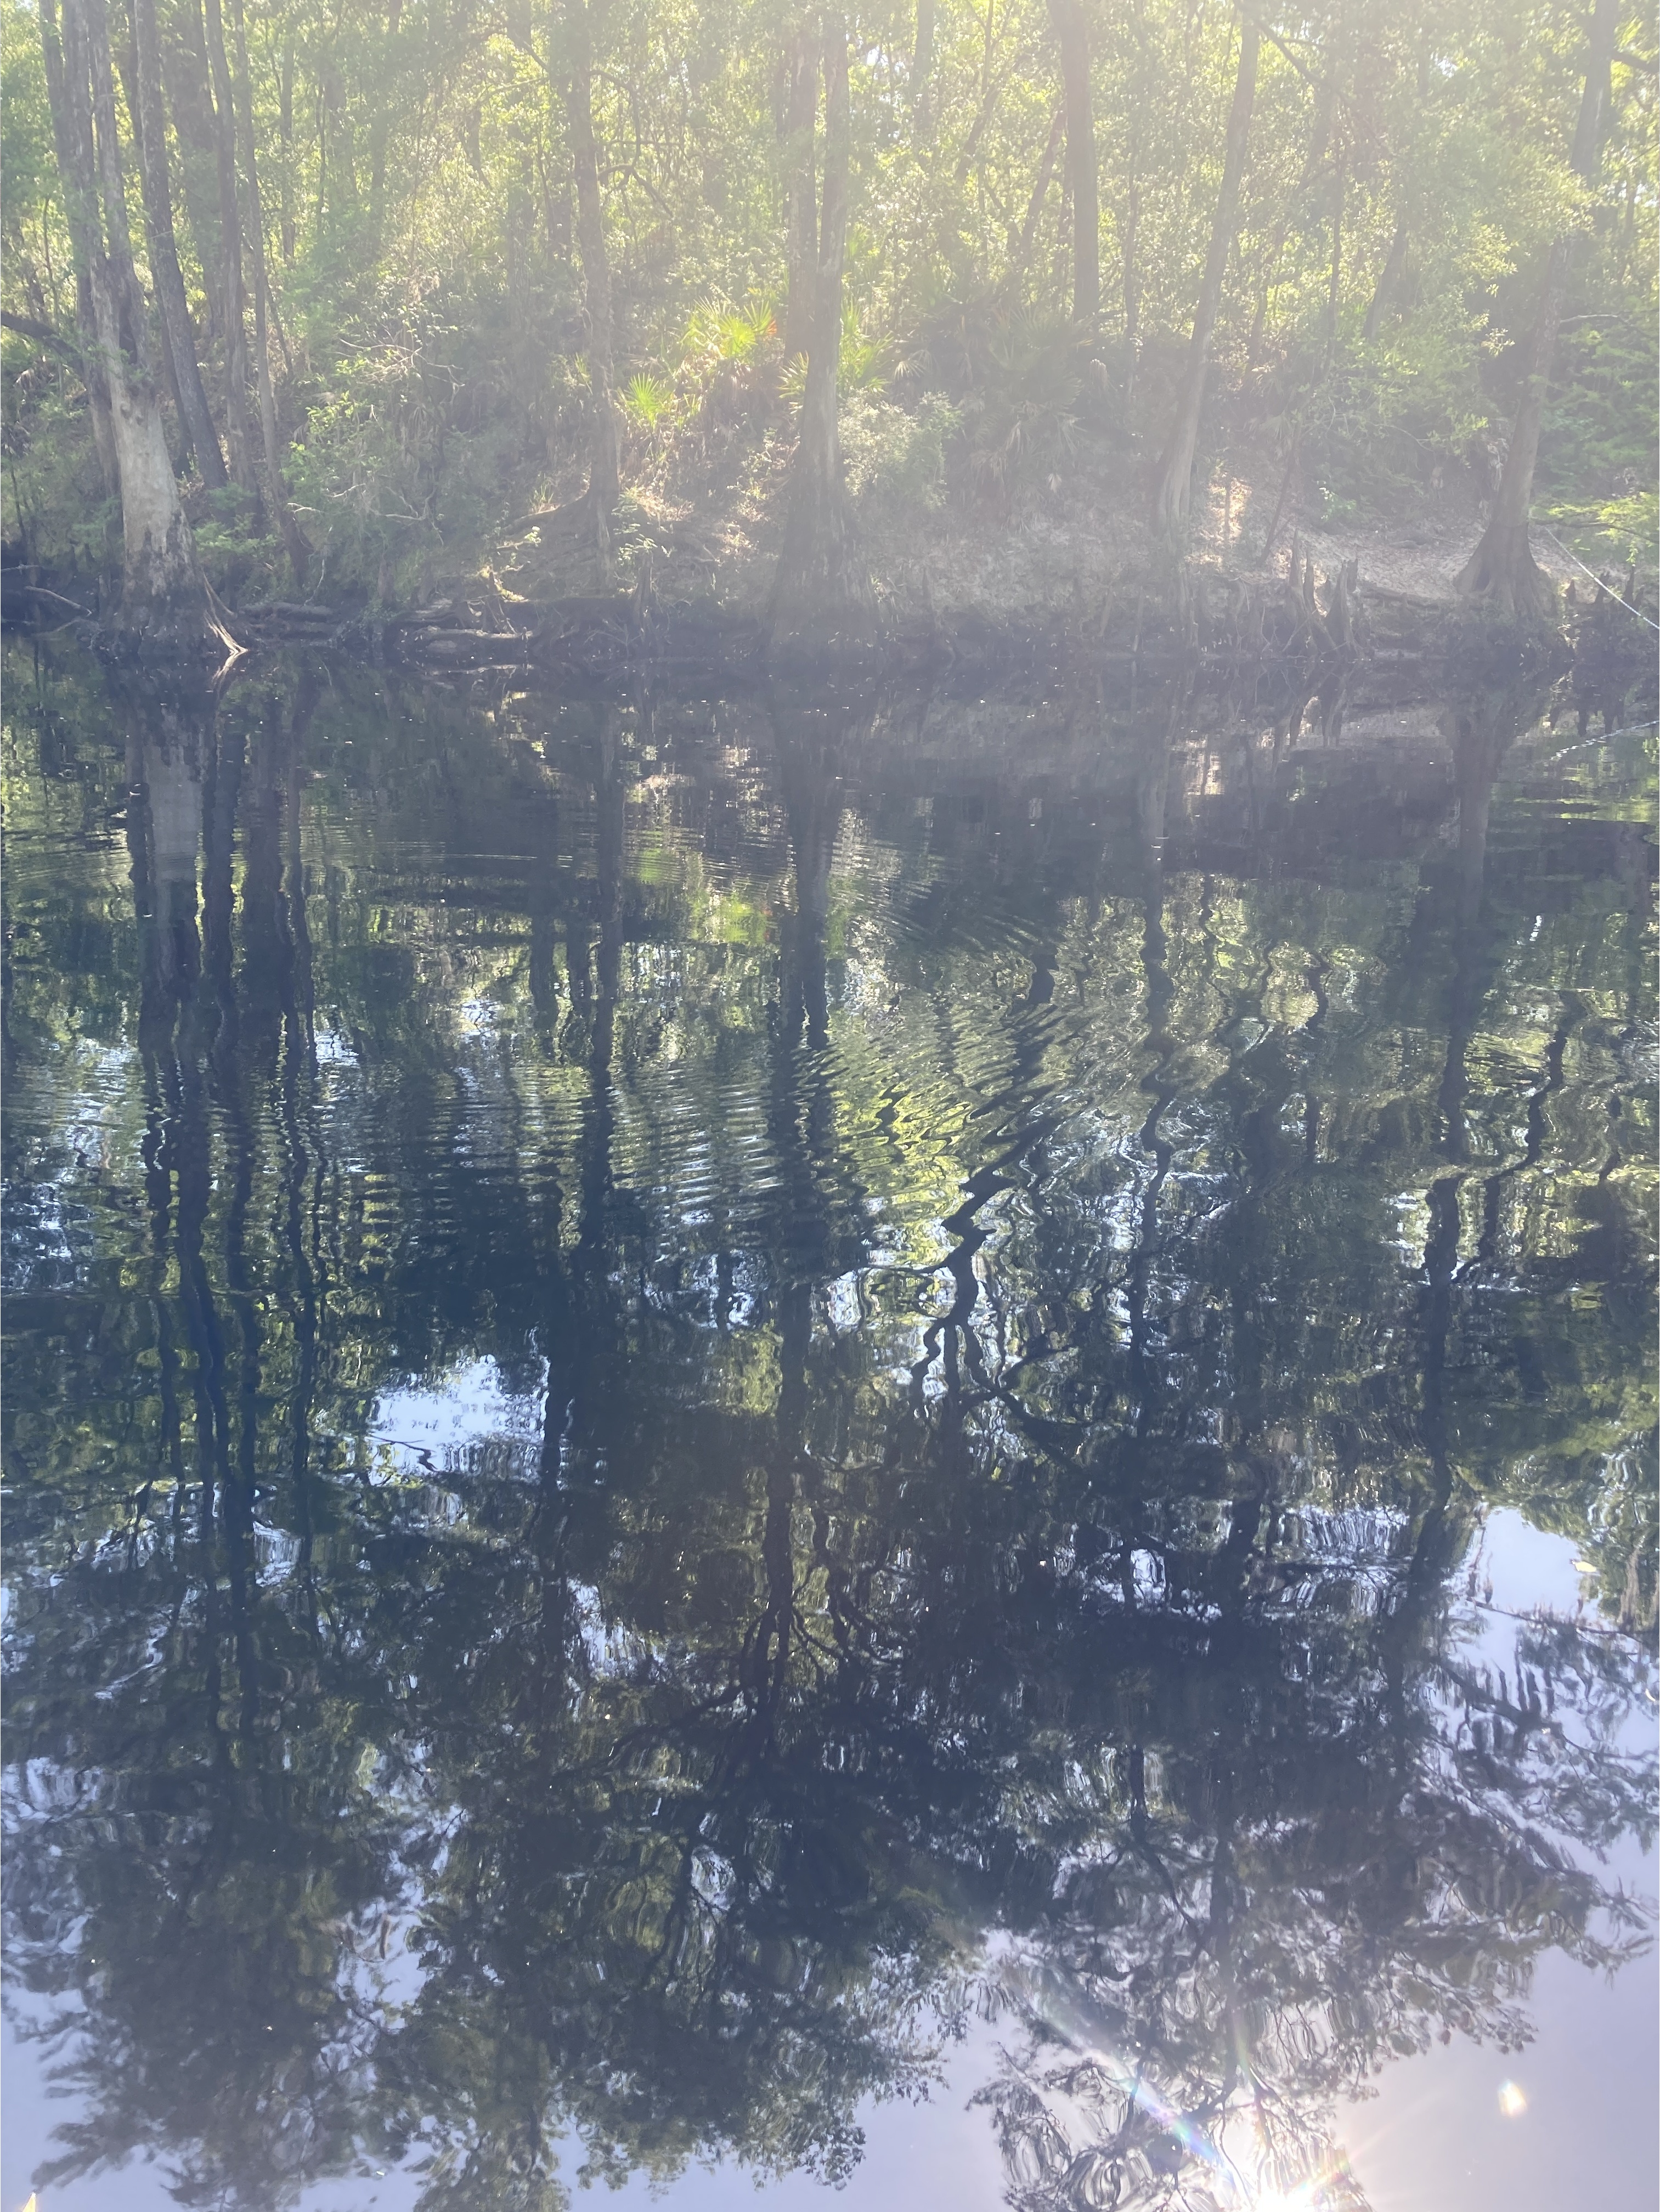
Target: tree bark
{"points": [[230, 226], [800, 208], [295, 542], [818, 591], [133, 314], [1129, 238], [121, 51], [162, 598], [922, 68], [596, 285], [1072, 38], [1587, 154], [195, 420], [1174, 486], [379, 129], [1386, 282], [1502, 570], [1034, 204], [1335, 290], [285, 130], [186, 80], [74, 167]]}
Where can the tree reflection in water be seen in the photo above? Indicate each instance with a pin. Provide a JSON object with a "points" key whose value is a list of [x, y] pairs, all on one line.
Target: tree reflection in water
{"points": [[1001, 1253]]}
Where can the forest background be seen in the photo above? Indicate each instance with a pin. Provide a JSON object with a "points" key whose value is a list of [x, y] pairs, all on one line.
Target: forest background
{"points": [[764, 301]]}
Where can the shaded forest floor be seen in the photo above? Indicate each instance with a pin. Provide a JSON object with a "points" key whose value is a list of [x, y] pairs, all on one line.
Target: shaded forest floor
{"points": [[1067, 547], [970, 542]]}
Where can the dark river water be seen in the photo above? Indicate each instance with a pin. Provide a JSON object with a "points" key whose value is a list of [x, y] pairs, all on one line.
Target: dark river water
{"points": [[903, 1444]]}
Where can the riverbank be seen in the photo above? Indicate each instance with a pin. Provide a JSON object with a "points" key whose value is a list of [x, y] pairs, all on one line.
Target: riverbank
{"points": [[1047, 554], [1068, 572], [1301, 618]]}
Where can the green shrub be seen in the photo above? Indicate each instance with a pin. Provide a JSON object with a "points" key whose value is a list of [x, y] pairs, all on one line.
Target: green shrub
{"points": [[54, 495], [894, 457], [718, 331], [1021, 417], [647, 399]]}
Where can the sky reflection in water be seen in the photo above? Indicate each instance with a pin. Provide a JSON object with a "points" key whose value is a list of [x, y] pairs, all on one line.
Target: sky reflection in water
{"points": [[719, 1412]]}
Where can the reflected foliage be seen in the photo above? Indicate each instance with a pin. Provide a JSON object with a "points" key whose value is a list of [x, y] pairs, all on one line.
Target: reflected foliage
{"points": [[696, 1388]]}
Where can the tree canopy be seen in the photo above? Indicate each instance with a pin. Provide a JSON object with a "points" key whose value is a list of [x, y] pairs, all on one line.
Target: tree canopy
{"points": [[613, 281]]}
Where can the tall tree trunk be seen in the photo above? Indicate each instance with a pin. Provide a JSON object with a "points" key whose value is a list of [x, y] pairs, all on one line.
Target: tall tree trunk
{"points": [[1388, 282], [343, 140], [1587, 154], [76, 167], [195, 420], [379, 129], [162, 596], [1034, 204], [817, 590], [1333, 293], [800, 194], [596, 285], [285, 128], [921, 69], [185, 79], [321, 108], [1129, 239], [122, 52], [230, 226], [295, 542], [1072, 38], [1175, 487], [133, 314], [1502, 570], [1325, 118]]}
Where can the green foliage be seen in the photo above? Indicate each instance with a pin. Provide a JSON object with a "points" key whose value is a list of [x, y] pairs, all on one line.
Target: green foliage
{"points": [[52, 489], [236, 553], [1623, 532], [1600, 457], [647, 400], [863, 363], [1022, 409], [365, 478], [409, 453], [1374, 421], [1406, 174], [26, 148], [895, 456], [716, 332]]}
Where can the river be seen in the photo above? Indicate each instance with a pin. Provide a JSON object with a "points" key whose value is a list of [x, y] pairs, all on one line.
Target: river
{"points": [[898, 1441]]}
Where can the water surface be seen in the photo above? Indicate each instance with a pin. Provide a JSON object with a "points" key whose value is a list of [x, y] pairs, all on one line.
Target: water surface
{"points": [[904, 1443]]}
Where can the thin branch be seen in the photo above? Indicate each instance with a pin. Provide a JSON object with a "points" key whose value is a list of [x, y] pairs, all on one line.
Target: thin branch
{"points": [[43, 334]]}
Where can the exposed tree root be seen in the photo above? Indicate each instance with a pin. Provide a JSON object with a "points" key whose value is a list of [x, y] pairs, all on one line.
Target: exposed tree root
{"points": [[1502, 574]]}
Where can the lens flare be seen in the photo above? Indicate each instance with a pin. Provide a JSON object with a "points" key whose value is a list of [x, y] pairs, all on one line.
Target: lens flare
{"points": [[1309, 2195], [1512, 2101]]}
